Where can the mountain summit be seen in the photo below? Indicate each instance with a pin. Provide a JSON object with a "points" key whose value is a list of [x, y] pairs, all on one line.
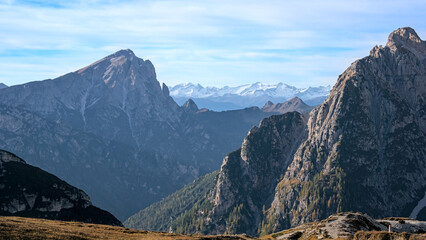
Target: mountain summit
{"points": [[190, 106], [294, 104], [407, 38]]}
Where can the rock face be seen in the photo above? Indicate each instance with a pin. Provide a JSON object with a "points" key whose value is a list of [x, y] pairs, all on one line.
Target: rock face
{"points": [[362, 150], [31, 192], [113, 131], [2, 85], [247, 177]]}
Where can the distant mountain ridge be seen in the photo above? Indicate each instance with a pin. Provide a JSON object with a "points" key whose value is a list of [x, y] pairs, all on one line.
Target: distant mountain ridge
{"points": [[256, 94], [294, 104]]}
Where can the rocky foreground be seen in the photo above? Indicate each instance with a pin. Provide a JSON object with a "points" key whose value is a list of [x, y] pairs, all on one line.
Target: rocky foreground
{"points": [[355, 226]]}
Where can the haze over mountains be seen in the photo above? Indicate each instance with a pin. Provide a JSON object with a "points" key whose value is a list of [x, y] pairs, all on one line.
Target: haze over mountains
{"points": [[363, 149], [256, 94]]}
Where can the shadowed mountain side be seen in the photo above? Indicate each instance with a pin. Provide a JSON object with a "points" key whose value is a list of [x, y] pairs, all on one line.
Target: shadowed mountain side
{"points": [[28, 191]]}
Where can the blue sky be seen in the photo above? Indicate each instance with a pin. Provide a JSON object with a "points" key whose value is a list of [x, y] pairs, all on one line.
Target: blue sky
{"points": [[214, 43]]}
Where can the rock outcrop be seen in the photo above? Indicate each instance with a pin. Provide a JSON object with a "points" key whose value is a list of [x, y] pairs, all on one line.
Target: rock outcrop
{"points": [[349, 225], [31, 192], [190, 107]]}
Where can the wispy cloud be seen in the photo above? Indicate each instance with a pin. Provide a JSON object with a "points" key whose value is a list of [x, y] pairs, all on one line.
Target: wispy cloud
{"points": [[209, 42]]}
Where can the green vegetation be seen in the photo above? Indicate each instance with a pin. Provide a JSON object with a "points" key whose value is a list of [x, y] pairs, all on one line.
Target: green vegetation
{"points": [[234, 222], [193, 219], [171, 211], [324, 195]]}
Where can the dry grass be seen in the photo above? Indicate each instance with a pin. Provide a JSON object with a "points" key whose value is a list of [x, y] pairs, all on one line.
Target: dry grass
{"points": [[30, 228]]}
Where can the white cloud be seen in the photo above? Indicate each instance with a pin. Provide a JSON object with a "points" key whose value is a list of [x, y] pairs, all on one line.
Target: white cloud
{"points": [[210, 42]]}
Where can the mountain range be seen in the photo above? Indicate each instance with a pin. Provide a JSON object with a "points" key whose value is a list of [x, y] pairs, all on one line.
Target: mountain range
{"points": [[362, 150], [256, 94], [113, 131]]}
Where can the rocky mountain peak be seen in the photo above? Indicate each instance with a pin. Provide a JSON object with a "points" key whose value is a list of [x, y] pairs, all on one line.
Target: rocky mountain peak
{"points": [[165, 89], [295, 100], [268, 104], [122, 67], [408, 39], [294, 104], [125, 52], [190, 106]]}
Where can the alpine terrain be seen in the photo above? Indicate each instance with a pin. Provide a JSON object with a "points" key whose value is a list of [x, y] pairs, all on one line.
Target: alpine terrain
{"points": [[31, 192], [256, 94], [362, 150]]}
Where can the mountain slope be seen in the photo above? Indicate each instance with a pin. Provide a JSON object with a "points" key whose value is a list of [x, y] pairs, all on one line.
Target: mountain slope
{"points": [[31, 192], [363, 150], [256, 94]]}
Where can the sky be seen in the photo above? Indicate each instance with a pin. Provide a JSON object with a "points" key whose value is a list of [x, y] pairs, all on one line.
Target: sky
{"points": [[214, 43]]}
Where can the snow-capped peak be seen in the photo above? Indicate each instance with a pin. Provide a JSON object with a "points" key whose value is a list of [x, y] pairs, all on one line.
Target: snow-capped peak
{"points": [[255, 94]]}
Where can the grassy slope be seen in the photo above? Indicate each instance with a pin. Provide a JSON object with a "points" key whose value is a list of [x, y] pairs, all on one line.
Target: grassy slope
{"points": [[31, 228]]}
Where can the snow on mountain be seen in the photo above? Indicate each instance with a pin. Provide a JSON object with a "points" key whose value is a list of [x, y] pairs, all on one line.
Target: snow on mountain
{"points": [[247, 95]]}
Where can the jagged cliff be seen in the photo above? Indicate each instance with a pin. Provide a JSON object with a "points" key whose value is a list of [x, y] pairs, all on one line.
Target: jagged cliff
{"points": [[31, 192], [363, 149]]}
